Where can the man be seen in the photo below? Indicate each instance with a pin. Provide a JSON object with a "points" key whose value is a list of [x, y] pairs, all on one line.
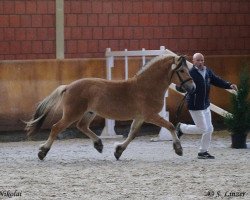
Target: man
{"points": [[198, 104]]}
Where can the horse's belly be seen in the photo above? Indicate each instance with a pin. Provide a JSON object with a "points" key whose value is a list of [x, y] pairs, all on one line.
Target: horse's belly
{"points": [[117, 112], [113, 100]]}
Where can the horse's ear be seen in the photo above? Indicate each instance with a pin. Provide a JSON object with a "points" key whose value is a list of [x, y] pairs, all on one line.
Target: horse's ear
{"points": [[173, 66], [185, 56], [176, 59]]}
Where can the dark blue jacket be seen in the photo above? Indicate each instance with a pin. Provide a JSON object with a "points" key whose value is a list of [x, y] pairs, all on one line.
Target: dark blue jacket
{"points": [[199, 100]]}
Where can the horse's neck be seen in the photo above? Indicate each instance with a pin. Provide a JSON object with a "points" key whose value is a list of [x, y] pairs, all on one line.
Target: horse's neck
{"points": [[154, 82]]}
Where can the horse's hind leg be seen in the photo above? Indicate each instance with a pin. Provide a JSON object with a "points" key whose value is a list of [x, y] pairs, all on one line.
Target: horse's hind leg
{"points": [[135, 127], [159, 121], [55, 130], [71, 113], [83, 125]]}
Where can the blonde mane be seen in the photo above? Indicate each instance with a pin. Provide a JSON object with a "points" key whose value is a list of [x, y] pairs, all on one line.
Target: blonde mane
{"points": [[152, 62]]}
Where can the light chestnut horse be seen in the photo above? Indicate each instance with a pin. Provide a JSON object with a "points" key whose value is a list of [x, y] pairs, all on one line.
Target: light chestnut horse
{"points": [[139, 98]]}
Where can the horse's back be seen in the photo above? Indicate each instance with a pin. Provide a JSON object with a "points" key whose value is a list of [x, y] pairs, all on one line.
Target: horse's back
{"points": [[98, 86], [110, 99]]}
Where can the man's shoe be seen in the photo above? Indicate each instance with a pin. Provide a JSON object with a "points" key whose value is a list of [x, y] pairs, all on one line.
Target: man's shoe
{"points": [[205, 155], [178, 130]]}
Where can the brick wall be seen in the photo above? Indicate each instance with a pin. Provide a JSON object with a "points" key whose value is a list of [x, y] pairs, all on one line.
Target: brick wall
{"points": [[218, 27], [27, 29]]}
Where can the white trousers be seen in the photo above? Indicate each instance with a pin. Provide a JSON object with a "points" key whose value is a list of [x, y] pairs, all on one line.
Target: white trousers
{"points": [[203, 125]]}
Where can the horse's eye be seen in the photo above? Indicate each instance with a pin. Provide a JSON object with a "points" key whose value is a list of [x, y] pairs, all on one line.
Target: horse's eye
{"points": [[182, 71]]}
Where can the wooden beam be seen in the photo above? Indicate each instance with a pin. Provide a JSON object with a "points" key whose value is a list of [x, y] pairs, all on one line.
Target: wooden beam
{"points": [[60, 29], [213, 107]]}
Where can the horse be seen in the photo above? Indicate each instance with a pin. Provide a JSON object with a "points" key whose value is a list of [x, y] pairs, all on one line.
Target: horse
{"points": [[139, 98]]}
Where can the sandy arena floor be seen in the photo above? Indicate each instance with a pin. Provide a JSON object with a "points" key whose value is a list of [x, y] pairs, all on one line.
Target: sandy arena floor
{"points": [[73, 169]]}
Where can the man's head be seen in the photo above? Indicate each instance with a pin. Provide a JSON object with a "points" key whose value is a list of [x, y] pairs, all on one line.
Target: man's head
{"points": [[198, 60]]}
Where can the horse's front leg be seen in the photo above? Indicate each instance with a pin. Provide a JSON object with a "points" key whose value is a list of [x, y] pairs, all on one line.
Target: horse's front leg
{"points": [[135, 127], [159, 121]]}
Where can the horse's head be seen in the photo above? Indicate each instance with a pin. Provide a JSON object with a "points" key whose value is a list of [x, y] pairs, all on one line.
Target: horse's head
{"points": [[180, 74]]}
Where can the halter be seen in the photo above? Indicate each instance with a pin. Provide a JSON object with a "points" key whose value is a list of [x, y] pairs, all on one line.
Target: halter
{"points": [[177, 69]]}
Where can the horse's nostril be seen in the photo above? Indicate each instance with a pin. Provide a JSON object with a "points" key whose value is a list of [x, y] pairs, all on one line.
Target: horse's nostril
{"points": [[192, 90], [189, 89]]}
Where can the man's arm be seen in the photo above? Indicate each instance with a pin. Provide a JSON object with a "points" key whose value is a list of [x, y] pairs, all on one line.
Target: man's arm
{"points": [[219, 82]]}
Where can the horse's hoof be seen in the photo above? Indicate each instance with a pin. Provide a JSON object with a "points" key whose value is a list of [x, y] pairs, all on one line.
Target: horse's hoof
{"points": [[42, 153], [178, 149], [118, 152], [98, 145]]}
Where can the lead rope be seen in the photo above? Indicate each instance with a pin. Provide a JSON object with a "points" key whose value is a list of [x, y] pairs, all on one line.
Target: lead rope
{"points": [[180, 107]]}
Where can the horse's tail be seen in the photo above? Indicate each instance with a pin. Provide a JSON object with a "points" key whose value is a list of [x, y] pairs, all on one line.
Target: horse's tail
{"points": [[42, 110]]}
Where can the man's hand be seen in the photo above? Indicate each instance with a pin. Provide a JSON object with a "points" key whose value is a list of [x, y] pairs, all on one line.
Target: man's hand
{"points": [[234, 87]]}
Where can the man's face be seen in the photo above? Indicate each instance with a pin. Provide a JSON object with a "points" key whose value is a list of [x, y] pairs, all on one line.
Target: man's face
{"points": [[198, 61]]}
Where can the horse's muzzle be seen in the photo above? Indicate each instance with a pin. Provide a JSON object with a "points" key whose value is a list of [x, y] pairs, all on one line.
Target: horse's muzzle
{"points": [[189, 88]]}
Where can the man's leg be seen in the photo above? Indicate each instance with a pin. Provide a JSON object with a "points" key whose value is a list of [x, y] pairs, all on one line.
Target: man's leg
{"points": [[199, 119], [203, 125], [207, 135]]}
